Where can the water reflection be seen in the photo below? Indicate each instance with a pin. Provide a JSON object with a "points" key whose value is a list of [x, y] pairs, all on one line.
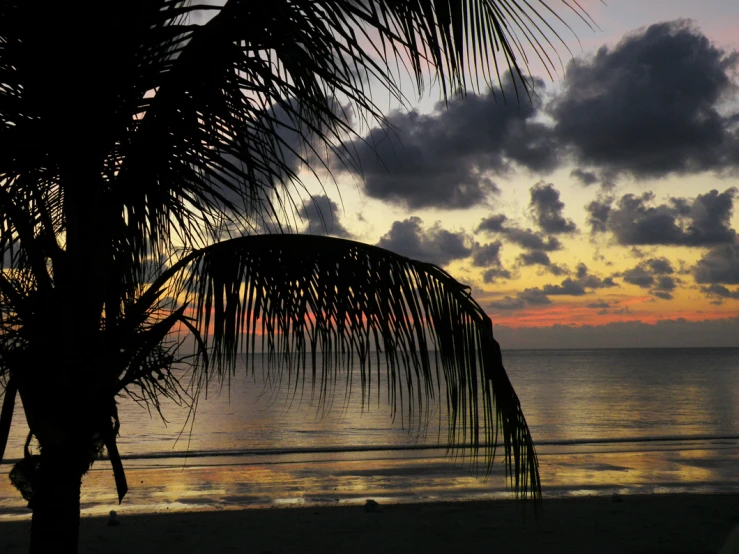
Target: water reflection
{"points": [[238, 482], [570, 398]]}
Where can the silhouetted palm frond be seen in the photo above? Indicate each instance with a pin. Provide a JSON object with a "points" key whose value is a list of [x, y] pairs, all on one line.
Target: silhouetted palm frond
{"points": [[318, 306]]}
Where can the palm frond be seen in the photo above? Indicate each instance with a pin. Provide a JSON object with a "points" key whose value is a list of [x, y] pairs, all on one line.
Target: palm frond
{"points": [[297, 296], [206, 143], [183, 126]]}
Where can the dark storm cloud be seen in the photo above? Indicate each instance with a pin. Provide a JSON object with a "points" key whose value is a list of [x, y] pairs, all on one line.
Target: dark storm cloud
{"points": [[534, 296], [654, 274], [720, 291], [541, 258], [587, 178], [648, 106], [537, 257], [493, 224], [598, 212], [531, 240], [567, 288], [663, 287], [525, 238], [665, 283], [637, 220], [487, 255], [719, 265], [546, 209], [557, 270], [638, 276], [434, 245], [660, 266], [588, 280], [570, 286], [321, 214], [443, 159], [494, 274]]}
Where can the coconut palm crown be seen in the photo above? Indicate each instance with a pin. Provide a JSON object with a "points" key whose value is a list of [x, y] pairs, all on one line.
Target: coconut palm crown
{"points": [[142, 148]]}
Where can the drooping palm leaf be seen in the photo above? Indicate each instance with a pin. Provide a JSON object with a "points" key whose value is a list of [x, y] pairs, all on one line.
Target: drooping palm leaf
{"points": [[295, 297]]}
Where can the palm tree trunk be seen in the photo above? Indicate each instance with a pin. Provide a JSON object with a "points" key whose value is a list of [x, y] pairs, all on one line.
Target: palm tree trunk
{"points": [[56, 502]]}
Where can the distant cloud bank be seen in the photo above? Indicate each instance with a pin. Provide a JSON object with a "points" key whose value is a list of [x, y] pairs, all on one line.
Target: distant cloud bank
{"points": [[632, 334]]}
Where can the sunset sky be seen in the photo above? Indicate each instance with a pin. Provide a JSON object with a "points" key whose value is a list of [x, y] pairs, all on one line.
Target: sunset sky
{"points": [[599, 214]]}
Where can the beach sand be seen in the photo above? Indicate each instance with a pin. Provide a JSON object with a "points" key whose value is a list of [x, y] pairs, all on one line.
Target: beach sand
{"points": [[667, 523]]}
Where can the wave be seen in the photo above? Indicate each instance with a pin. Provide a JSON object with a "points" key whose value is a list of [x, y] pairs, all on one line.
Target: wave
{"points": [[276, 452]]}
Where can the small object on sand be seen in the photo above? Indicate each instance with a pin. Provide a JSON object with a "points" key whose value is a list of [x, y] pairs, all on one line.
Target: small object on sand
{"points": [[615, 497], [113, 519], [371, 506]]}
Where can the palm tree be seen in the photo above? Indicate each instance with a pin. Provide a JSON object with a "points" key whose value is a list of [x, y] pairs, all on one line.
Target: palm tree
{"points": [[141, 148]]}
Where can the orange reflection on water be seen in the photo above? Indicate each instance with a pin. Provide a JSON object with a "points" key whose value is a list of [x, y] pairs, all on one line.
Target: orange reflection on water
{"points": [[232, 483]]}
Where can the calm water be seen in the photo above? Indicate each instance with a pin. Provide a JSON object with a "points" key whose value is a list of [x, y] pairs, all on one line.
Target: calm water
{"points": [[639, 420]]}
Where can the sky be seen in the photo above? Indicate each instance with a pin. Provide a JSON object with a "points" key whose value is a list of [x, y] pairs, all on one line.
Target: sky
{"points": [[599, 213]]}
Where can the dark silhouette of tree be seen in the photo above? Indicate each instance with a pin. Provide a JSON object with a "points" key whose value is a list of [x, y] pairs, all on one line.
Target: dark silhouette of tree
{"points": [[142, 146]]}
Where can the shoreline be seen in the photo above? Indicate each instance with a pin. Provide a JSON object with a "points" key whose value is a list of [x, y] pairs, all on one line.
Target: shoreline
{"points": [[678, 523]]}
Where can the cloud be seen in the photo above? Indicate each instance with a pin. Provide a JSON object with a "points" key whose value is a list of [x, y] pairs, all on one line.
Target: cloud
{"points": [[537, 257], [665, 283], [508, 303], [719, 265], [525, 238], [638, 276], [587, 178], [445, 158], [567, 288], [535, 296], [660, 266], [493, 224], [487, 255], [492, 275], [546, 208], [321, 215], [588, 280], [434, 245], [637, 220], [598, 212], [628, 334], [440, 246], [648, 106], [654, 274], [599, 305], [720, 291]]}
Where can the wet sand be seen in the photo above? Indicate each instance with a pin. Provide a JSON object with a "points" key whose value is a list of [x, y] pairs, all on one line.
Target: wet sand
{"points": [[670, 523]]}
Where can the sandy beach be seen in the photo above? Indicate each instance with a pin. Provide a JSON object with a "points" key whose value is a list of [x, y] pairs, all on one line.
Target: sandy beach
{"points": [[681, 523]]}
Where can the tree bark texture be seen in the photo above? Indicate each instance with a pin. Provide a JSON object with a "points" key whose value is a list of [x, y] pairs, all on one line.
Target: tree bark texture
{"points": [[56, 502]]}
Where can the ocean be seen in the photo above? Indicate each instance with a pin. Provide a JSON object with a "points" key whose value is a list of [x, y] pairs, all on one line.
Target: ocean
{"points": [[604, 421]]}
